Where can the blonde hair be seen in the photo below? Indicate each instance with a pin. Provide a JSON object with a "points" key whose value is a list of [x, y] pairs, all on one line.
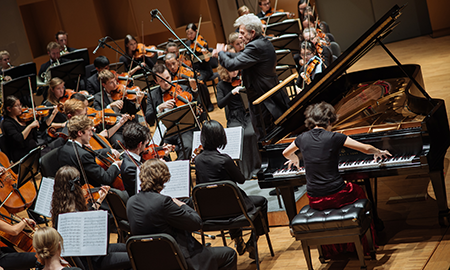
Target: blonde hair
{"points": [[233, 37], [243, 10], [154, 174], [4, 53], [51, 95], [105, 75], [53, 45], [223, 73], [73, 105], [78, 123], [47, 242]]}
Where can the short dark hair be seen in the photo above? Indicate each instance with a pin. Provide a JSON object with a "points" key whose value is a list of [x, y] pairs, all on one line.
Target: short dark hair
{"points": [[134, 133], [61, 32], [213, 135], [79, 97], [159, 68], [171, 44], [321, 114], [8, 103], [101, 62], [191, 26], [309, 46]]}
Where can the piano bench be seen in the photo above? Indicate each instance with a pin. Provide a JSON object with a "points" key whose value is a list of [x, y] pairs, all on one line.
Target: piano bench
{"points": [[332, 226]]}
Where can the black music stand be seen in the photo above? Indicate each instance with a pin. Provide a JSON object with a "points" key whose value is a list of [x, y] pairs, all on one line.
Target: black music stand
{"points": [[20, 88], [29, 167], [277, 17], [179, 120], [283, 72], [22, 70], [69, 72], [141, 81], [119, 67], [77, 54], [291, 26], [288, 41], [284, 57]]}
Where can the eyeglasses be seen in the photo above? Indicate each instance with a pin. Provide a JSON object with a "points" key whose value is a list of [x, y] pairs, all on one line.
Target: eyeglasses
{"points": [[265, 4]]}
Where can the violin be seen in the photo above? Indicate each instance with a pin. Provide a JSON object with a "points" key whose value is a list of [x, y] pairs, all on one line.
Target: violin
{"points": [[176, 93], [89, 190], [236, 81], [130, 94], [69, 92], [154, 151], [19, 198], [28, 114], [309, 69], [149, 51], [185, 74], [122, 78], [196, 152], [201, 44], [23, 240], [96, 116]]}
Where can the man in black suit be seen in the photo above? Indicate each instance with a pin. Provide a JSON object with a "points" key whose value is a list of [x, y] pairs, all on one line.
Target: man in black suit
{"points": [[80, 130], [109, 84], [93, 84], [157, 105], [61, 38], [265, 7], [258, 61], [53, 51], [150, 212]]}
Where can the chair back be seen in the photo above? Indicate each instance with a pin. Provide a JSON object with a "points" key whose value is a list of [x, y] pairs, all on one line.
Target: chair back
{"points": [[3, 146], [335, 48], [218, 200], [49, 163], [155, 251], [117, 205]]}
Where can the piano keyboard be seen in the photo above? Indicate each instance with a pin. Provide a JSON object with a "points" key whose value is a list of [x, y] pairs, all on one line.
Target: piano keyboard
{"points": [[352, 165]]}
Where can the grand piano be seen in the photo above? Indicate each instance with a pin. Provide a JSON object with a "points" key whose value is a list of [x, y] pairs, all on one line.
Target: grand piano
{"points": [[386, 107]]}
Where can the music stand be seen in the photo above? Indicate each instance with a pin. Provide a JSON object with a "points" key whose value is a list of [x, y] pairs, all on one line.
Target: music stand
{"points": [[288, 41], [68, 70], [119, 67], [283, 72], [291, 26], [29, 167], [78, 54], [22, 70], [179, 120], [244, 98], [277, 17], [20, 88], [284, 57], [163, 45], [139, 80]]}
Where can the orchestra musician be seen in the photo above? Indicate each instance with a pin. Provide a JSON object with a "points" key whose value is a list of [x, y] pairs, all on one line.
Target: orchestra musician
{"points": [[265, 7], [228, 97], [61, 38], [53, 51], [243, 10], [125, 106], [56, 91], [204, 67], [93, 84], [68, 197], [172, 64], [159, 105], [6, 64], [212, 166], [80, 130], [235, 42], [48, 244], [172, 47], [11, 259], [130, 48], [302, 4], [135, 138], [150, 212], [326, 54], [310, 63], [320, 148], [20, 137], [258, 61]]}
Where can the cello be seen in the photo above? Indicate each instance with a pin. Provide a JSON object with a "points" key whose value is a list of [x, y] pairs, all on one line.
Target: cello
{"points": [[23, 240]]}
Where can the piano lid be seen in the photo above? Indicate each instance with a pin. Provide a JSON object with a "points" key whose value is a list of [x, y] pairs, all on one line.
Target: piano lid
{"points": [[357, 50]]}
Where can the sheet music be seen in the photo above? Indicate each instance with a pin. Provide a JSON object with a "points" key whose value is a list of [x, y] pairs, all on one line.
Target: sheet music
{"points": [[84, 233], [178, 186], [44, 198], [234, 142], [157, 139]]}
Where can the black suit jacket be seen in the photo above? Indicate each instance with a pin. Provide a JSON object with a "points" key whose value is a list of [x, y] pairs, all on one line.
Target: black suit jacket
{"points": [[128, 173], [47, 64], [128, 106], [93, 85], [96, 175], [150, 212], [258, 61]]}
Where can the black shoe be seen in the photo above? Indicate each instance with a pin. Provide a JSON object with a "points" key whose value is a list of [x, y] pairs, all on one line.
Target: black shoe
{"points": [[273, 192], [240, 245], [210, 108], [250, 248]]}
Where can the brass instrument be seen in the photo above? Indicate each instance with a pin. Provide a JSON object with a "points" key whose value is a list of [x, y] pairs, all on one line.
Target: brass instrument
{"points": [[47, 76], [64, 51]]}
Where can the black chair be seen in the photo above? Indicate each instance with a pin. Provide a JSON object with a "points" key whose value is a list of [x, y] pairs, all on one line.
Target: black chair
{"points": [[211, 81], [3, 146], [220, 206], [156, 252], [117, 206], [335, 48], [49, 163]]}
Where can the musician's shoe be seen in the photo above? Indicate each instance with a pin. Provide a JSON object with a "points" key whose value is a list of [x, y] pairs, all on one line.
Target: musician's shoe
{"points": [[240, 245], [210, 108], [250, 247]]}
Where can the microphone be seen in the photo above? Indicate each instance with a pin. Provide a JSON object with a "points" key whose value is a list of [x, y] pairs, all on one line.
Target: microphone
{"points": [[153, 13], [101, 44], [9, 64]]}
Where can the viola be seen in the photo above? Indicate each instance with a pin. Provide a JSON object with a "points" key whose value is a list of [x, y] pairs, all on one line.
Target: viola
{"points": [[23, 240], [176, 93], [149, 51], [20, 198], [28, 113]]}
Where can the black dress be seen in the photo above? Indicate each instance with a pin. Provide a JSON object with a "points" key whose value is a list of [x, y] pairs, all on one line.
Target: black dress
{"points": [[237, 116]]}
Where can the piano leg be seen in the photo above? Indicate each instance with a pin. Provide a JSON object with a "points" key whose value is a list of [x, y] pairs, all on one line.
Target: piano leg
{"points": [[379, 225], [438, 181], [287, 193]]}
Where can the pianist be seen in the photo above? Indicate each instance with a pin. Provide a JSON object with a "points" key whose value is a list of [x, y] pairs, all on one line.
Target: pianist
{"points": [[320, 149]]}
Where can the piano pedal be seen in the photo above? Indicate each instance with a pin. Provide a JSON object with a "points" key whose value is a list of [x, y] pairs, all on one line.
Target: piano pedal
{"points": [[407, 198]]}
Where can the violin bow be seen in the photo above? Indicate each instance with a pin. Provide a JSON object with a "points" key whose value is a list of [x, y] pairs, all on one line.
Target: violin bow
{"points": [[268, 19], [78, 82], [32, 100], [128, 154], [128, 76], [82, 170], [198, 31], [102, 106]]}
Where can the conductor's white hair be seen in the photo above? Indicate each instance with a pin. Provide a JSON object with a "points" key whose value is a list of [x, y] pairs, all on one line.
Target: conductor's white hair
{"points": [[250, 22]]}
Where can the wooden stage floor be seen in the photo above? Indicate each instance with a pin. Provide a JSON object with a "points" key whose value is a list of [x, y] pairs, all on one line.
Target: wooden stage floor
{"points": [[412, 238]]}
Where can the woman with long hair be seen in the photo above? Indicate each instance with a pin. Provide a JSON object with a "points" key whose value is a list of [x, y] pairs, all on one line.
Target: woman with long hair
{"points": [[130, 50]]}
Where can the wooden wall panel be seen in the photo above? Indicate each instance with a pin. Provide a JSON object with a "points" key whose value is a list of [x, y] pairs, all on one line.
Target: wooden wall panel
{"points": [[440, 22]]}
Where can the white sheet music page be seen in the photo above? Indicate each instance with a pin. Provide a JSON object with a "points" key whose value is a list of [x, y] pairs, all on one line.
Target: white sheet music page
{"points": [[157, 139], [178, 186], [84, 233], [138, 180], [44, 198], [235, 137]]}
